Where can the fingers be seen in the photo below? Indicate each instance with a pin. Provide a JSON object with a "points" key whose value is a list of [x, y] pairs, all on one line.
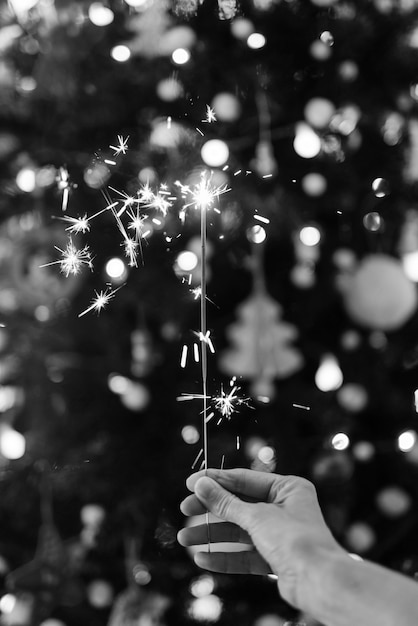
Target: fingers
{"points": [[233, 562], [249, 483], [215, 533], [192, 506], [222, 503]]}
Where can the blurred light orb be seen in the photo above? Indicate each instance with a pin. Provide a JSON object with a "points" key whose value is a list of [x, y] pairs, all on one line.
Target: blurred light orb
{"points": [[100, 594], [24, 5], [120, 53], [226, 106], [372, 221], [187, 261], [118, 384], [99, 15], [407, 440], [52, 622], [410, 265], [266, 454], [253, 446], [96, 175], [353, 397], [215, 153], [256, 41], [242, 28], [42, 313], [340, 441], [256, 234], [190, 434], [378, 294], [27, 83], [147, 175], [393, 501], [92, 515], [314, 184], [329, 376], [344, 259], [363, 451], [380, 187], [324, 3], [46, 176], [115, 268], [136, 3], [169, 89], [302, 275], [320, 50], [272, 620], [206, 609], [12, 443], [348, 70], [180, 56], [177, 37], [141, 574], [202, 586], [306, 143], [360, 536], [7, 603], [136, 397], [26, 179], [318, 112], [327, 38], [310, 236]]}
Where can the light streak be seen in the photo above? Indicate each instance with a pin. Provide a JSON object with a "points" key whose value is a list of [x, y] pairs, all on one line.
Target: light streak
{"points": [[301, 406], [64, 185], [183, 359], [72, 259], [101, 300], [260, 218]]}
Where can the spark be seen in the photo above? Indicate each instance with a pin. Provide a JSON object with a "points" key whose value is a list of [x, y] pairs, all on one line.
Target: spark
{"points": [[183, 359], [77, 224], [228, 403], [109, 162], [197, 459], [200, 132], [204, 193], [301, 406], [130, 246], [64, 185], [72, 259], [101, 300], [205, 338], [122, 146], [260, 218], [210, 115], [128, 200]]}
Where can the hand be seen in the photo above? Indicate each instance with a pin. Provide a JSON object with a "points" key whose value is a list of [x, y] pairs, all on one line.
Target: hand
{"points": [[278, 515]]}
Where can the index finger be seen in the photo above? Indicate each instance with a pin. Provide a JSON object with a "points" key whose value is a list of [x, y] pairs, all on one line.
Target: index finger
{"points": [[244, 482]]}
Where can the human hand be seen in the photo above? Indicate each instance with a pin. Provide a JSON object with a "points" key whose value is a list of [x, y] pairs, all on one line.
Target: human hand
{"points": [[279, 515]]}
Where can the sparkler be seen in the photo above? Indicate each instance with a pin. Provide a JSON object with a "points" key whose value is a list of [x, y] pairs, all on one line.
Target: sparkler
{"points": [[64, 185], [72, 259], [101, 300], [122, 146]]}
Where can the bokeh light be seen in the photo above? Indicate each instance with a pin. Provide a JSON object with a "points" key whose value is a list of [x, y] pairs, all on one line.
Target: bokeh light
{"points": [[187, 261], [190, 434], [329, 376], [307, 143], [26, 179], [180, 56], [256, 234], [116, 269], [340, 441], [120, 53], [12, 443], [206, 609], [310, 235], [256, 41], [215, 153], [100, 15], [407, 440]]}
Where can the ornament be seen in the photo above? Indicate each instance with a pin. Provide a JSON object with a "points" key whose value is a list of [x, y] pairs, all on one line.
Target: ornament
{"points": [[377, 293], [261, 348]]}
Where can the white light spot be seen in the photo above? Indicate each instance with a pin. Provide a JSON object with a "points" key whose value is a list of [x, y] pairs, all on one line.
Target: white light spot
{"points": [[329, 376], [187, 261], [310, 235], [256, 41], [215, 153], [12, 443], [120, 53], [407, 440], [180, 56], [100, 15], [340, 441], [190, 435], [115, 268], [26, 179], [307, 143]]}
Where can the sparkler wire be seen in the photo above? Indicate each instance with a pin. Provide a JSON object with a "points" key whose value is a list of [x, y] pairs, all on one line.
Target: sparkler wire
{"points": [[203, 329]]}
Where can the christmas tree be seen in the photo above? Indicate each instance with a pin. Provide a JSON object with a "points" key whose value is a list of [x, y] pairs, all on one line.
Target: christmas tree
{"points": [[295, 124]]}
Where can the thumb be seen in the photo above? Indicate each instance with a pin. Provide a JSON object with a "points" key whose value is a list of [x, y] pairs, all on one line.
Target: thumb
{"points": [[221, 502]]}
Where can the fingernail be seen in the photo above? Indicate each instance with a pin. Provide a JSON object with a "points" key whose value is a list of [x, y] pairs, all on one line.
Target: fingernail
{"points": [[204, 487]]}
